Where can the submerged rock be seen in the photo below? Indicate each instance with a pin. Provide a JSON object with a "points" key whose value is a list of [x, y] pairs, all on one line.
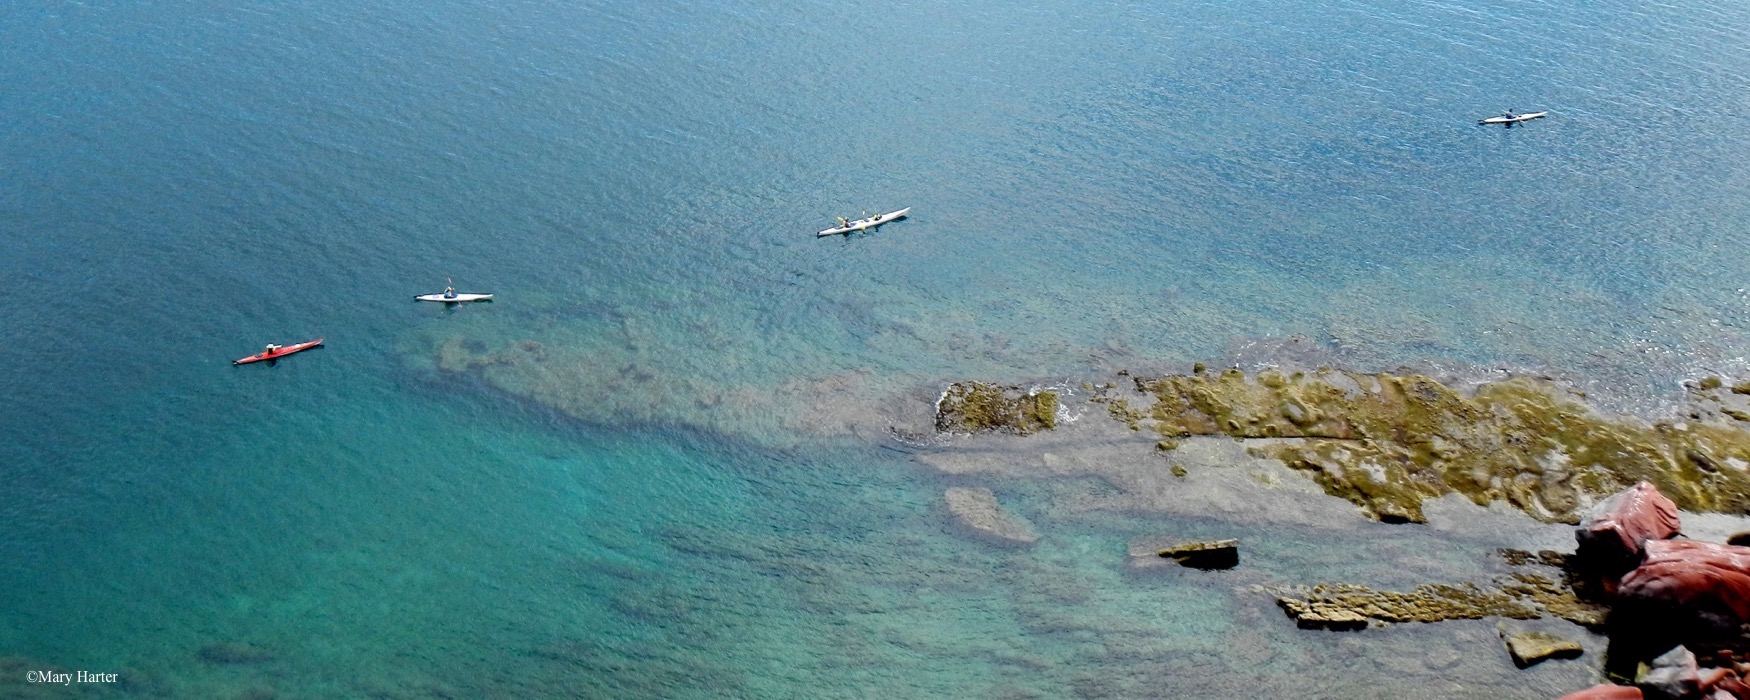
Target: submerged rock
{"points": [[1545, 557], [233, 653], [1530, 648], [977, 509], [977, 407], [1612, 536], [1558, 598]]}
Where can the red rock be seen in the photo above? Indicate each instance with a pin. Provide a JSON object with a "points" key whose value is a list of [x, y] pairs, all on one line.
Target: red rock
{"points": [[1606, 692], [1614, 532], [1709, 678], [1700, 578], [1734, 687]]}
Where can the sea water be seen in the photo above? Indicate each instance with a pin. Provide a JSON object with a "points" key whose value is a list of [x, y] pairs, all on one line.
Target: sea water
{"points": [[1095, 186]]}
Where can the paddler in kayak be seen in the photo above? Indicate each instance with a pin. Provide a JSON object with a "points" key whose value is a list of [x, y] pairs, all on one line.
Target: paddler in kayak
{"points": [[449, 292], [270, 349]]}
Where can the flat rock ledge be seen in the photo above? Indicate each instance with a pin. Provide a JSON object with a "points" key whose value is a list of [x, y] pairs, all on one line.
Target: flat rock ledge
{"points": [[1517, 596], [1353, 607], [977, 510]]}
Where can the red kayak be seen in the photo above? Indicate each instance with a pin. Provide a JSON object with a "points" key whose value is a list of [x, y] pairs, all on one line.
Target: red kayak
{"points": [[278, 352]]}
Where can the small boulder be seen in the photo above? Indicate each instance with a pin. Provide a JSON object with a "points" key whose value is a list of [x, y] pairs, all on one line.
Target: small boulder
{"points": [[1207, 554], [1613, 534], [978, 510], [1530, 648], [1671, 676]]}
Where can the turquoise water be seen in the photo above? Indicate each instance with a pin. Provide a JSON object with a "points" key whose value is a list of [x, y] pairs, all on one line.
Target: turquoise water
{"points": [[686, 491]]}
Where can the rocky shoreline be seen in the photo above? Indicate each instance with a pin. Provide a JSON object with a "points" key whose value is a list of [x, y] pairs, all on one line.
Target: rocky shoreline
{"points": [[1390, 443]]}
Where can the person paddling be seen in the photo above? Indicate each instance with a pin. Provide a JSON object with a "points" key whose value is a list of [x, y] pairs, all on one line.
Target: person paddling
{"points": [[449, 292], [271, 348]]}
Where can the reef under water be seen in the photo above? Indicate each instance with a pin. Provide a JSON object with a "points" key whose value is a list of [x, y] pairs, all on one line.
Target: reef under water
{"points": [[1480, 472]]}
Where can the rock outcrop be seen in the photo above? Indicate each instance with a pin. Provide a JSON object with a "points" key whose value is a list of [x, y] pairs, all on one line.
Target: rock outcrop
{"points": [[1388, 442], [977, 510], [1682, 594], [1612, 536], [1689, 582], [977, 407]]}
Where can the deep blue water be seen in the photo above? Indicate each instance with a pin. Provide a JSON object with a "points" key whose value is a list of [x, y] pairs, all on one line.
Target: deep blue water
{"points": [[1095, 186]]}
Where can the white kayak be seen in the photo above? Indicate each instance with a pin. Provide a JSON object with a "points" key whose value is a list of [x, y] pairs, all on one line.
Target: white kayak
{"points": [[1515, 119], [861, 224], [455, 298]]}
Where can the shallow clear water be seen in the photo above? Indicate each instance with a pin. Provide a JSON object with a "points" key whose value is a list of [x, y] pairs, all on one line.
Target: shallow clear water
{"points": [[666, 504]]}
